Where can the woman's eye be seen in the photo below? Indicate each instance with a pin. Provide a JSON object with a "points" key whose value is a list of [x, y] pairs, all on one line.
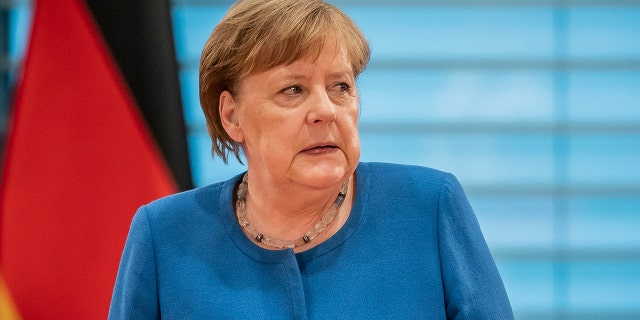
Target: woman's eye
{"points": [[292, 90], [342, 87]]}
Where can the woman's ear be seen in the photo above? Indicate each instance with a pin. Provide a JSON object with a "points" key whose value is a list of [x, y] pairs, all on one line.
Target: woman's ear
{"points": [[229, 117]]}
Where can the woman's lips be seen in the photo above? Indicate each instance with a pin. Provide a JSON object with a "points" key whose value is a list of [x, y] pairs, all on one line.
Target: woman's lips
{"points": [[320, 150]]}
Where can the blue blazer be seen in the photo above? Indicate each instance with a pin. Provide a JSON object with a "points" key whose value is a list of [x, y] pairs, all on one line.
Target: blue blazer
{"points": [[410, 249]]}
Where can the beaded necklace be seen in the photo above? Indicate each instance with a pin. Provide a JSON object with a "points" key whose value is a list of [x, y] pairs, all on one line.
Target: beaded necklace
{"points": [[278, 243]]}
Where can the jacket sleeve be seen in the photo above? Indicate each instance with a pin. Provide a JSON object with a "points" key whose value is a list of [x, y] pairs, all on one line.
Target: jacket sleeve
{"points": [[472, 285], [135, 292]]}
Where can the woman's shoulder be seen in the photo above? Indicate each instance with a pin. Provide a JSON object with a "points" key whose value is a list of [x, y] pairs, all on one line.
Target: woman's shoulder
{"points": [[198, 200], [412, 181], [391, 172]]}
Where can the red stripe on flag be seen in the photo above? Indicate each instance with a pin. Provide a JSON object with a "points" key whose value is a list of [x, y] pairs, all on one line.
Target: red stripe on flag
{"points": [[79, 161]]}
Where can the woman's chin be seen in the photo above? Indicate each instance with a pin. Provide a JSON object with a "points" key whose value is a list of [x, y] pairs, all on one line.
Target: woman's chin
{"points": [[322, 175]]}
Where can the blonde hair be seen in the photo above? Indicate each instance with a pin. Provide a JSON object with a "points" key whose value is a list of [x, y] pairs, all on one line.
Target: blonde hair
{"points": [[257, 35]]}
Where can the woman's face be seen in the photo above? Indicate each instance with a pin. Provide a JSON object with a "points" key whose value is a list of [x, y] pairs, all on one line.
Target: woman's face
{"points": [[298, 123]]}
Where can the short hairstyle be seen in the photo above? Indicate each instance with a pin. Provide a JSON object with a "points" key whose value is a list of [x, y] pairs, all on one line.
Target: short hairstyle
{"points": [[257, 35]]}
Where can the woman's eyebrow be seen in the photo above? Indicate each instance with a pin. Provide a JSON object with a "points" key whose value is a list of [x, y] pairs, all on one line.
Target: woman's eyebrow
{"points": [[341, 74]]}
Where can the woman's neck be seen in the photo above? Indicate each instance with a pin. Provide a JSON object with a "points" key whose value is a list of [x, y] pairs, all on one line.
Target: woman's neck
{"points": [[288, 212]]}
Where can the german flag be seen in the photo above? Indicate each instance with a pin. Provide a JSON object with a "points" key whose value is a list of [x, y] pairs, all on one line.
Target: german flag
{"points": [[96, 130]]}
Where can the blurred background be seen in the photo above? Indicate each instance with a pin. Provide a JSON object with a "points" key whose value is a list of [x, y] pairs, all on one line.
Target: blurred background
{"points": [[533, 105]]}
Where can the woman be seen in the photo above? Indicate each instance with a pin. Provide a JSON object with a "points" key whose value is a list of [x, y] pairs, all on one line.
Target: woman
{"points": [[307, 232]]}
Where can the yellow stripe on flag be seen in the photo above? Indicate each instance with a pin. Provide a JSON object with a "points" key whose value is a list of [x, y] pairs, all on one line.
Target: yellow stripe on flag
{"points": [[8, 310]]}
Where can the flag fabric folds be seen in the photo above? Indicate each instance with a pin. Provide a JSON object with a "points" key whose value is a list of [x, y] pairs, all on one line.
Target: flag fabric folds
{"points": [[140, 36], [79, 160]]}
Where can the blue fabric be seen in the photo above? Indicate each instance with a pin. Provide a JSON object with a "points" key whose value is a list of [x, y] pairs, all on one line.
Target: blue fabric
{"points": [[410, 249]]}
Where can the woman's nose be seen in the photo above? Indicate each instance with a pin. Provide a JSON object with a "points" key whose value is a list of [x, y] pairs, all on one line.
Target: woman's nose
{"points": [[321, 108]]}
